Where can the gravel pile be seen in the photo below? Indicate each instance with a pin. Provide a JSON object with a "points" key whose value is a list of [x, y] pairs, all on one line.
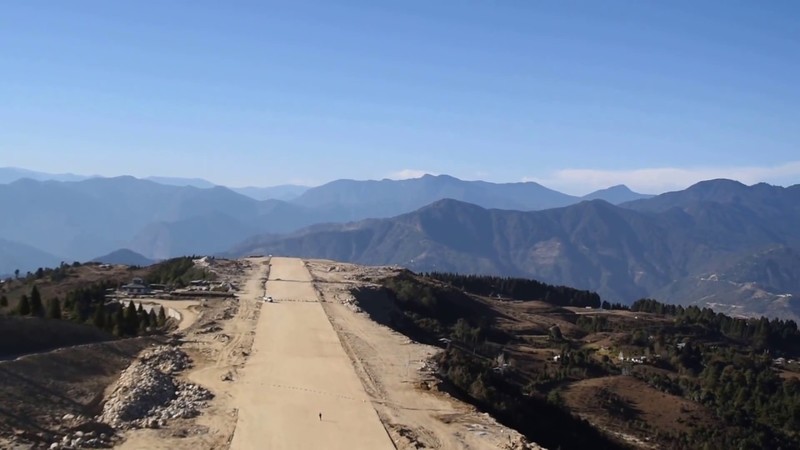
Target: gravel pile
{"points": [[166, 359], [146, 394], [80, 439]]}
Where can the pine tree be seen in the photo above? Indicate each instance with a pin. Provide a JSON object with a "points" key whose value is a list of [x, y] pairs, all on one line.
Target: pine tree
{"points": [[54, 309], [37, 308], [153, 317], [144, 322], [75, 314], [109, 321], [162, 317], [99, 316], [118, 323], [24, 307], [131, 320], [3, 301]]}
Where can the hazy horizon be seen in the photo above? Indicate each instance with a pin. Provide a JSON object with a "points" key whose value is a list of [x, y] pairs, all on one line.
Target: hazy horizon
{"points": [[406, 177]]}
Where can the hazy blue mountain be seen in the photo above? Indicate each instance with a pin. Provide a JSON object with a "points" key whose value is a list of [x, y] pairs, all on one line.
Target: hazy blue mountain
{"points": [[81, 220], [585, 245], [201, 235], [284, 192], [176, 181], [14, 255], [124, 256], [12, 174], [385, 198], [719, 207], [623, 253], [762, 197], [616, 195]]}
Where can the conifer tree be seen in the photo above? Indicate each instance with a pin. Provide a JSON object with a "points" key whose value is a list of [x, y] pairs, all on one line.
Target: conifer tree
{"points": [[131, 320], [162, 317], [99, 317], [118, 322], [54, 309], [37, 308], [24, 307], [3, 301], [144, 322]]}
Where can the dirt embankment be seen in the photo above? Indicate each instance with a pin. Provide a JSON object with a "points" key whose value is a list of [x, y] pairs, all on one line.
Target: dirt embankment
{"points": [[218, 343], [55, 399], [396, 372], [45, 395]]}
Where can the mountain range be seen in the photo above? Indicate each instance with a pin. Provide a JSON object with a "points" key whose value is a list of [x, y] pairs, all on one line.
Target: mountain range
{"points": [[22, 257], [161, 218], [280, 192], [717, 243]]}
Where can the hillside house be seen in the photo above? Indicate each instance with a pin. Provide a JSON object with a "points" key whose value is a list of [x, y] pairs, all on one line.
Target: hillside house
{"points": [[135, 287]]}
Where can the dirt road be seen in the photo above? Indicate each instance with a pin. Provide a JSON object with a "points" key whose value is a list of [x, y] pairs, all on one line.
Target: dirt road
{"points": [[297, 370]]}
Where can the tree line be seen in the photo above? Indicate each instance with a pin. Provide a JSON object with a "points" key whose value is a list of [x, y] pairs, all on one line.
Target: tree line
{"points": [[88, 305], [55, 273], [177, 272], [763, 333], [519, 289]]}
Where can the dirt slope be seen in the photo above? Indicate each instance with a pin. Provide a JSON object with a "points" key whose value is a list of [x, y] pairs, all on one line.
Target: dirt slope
{"points": [[395, 375]]}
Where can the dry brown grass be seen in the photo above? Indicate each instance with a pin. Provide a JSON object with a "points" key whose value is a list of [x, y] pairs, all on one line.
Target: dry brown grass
{"points": [[661, 411]]}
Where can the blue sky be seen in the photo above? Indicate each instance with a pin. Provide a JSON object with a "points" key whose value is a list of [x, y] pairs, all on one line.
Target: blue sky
{"points": [[575, 94]]}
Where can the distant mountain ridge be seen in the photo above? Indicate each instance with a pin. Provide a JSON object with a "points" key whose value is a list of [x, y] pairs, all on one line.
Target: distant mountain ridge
{"points": [[77, 220], [175, 181], [414, 193], [666, 246], [22, 257], [124, 256], [80, 220], [349, 193], [280, 192], [385, 198], [12, 174], [285, 192], [616, 195]]}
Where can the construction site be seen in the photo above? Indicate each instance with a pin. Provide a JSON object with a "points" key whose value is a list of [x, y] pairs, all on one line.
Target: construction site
{"points": [[284, 359]]}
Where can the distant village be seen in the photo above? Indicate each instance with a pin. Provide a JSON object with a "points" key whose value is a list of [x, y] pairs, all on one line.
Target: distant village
{"points": [[196, 288]]}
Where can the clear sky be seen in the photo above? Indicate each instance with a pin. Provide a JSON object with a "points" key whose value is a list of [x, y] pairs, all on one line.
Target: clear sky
{"points": [[574, 94]]}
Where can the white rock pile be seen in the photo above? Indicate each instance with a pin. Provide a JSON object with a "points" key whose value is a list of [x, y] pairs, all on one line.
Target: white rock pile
{"points": [[147, 395], [80, 439], [166, 359]]}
